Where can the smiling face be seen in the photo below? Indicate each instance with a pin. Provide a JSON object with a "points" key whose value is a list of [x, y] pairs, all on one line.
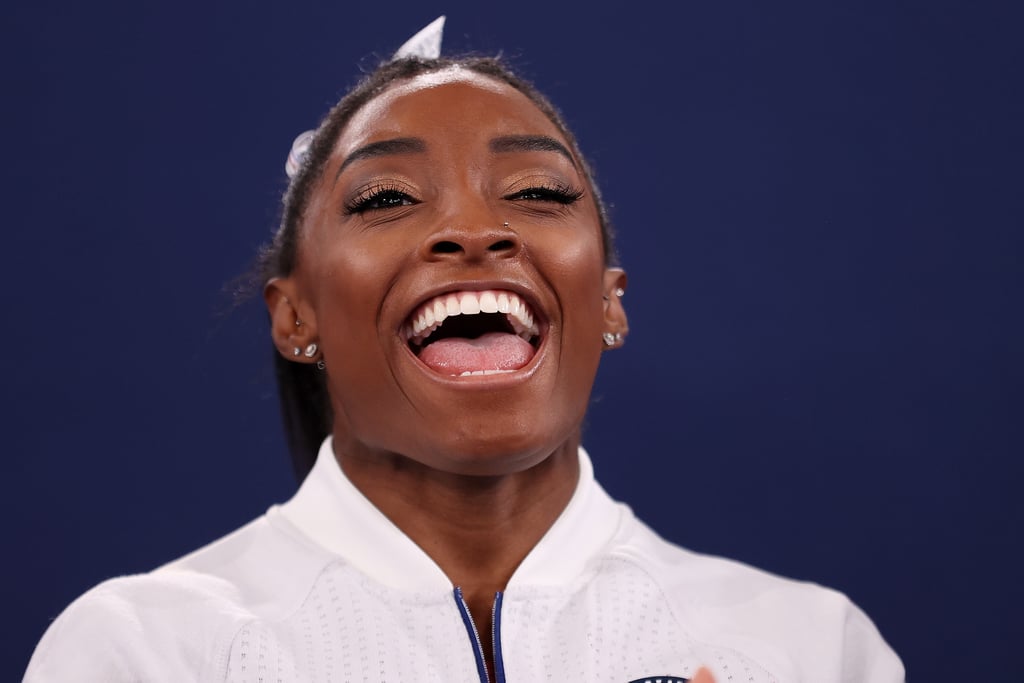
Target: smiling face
{"points": [[451, 269]]}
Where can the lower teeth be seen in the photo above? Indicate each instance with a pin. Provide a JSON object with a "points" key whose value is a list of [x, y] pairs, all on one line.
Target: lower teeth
{"points": [[467, 373]]}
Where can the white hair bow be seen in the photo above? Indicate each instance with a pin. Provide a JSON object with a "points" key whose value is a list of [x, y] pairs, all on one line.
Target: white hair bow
{"points": [[425, 44]]}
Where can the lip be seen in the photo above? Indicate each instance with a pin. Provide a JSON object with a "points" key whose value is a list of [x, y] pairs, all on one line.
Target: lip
{"points": [[483, 381]]}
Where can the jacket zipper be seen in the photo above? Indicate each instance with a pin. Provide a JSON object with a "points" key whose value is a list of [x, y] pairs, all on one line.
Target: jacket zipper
{"points": [[474, 637], [499, 664]]}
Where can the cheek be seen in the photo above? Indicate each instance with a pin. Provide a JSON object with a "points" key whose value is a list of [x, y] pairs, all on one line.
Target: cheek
{"points": [[351, 280], [575, 269], [346, 296], [582, 258], [362, 263], [353, 272]]}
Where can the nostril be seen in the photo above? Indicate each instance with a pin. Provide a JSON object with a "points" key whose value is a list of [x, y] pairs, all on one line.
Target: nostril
{"points": [[445, 247], [502, 245]]}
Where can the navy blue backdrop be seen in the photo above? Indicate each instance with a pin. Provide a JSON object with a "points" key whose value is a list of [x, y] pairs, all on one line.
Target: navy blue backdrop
{"points": [[819, 205]]}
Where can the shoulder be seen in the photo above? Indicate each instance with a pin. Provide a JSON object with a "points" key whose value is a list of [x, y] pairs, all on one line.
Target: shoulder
{"points": [[130, 628], [806, 630], [178, 622], [248, 565]]}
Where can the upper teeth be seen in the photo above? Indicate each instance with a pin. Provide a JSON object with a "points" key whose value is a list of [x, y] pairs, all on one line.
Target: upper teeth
{"points": [[429, 316]]}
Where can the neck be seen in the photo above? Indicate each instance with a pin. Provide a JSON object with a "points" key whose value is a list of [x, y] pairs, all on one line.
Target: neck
{"points": [[477, 529]]}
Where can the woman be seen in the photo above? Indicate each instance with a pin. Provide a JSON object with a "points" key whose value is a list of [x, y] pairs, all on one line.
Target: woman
{"points": [[440, 292]]}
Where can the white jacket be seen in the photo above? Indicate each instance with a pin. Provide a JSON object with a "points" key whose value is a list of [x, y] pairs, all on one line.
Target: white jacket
{"points": [[325, 588]]}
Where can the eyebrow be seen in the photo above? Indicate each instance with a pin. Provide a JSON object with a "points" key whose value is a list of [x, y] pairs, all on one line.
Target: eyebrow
{"points": [[530, 143], [383, 148]]}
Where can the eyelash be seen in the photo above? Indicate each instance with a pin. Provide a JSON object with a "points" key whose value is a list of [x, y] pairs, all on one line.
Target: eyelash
{"points": [[373, 199], [558, 193], [389, 196]]}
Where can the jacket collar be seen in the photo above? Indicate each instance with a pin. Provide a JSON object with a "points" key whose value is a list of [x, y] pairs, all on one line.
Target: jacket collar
{"points": [[332, 512]]}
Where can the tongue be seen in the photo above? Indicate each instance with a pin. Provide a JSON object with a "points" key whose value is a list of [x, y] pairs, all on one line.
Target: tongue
{"points": [[491, 351]]}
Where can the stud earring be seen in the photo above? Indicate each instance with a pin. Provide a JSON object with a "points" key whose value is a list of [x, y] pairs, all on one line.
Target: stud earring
{"points": [[619, 291], [320, 364], [311, 350], [609, 338], [296, 351]]}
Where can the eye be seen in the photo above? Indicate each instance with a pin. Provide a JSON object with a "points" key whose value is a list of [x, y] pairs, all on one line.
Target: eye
{"points": [[553, 192], [378, 197]]}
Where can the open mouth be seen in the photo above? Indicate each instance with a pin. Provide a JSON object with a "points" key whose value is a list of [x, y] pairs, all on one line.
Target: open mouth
{"points": [[474, 333]]}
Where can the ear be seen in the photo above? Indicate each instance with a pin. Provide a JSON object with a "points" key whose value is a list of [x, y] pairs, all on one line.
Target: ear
{"points": [[614, 314], [292, 323]]}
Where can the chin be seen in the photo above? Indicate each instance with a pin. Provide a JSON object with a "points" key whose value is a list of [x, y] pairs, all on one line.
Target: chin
{"points": [[497, 449]]}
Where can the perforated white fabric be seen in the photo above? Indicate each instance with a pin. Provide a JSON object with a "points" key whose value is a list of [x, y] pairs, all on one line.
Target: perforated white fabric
{"points": [[352, 629], [325, 588]]}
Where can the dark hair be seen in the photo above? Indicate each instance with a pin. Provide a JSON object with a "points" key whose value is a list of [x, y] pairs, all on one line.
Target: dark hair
{"points": [[305, 404]]}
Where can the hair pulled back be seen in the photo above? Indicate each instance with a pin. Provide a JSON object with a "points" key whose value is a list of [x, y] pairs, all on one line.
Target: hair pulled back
{"points": [[305, 404]]}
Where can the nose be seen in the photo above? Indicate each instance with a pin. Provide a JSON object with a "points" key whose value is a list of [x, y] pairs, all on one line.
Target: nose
{"points": [[472, 244]]}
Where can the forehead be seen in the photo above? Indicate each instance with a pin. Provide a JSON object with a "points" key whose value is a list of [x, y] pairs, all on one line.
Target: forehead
{"points": [[452, 102]]}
